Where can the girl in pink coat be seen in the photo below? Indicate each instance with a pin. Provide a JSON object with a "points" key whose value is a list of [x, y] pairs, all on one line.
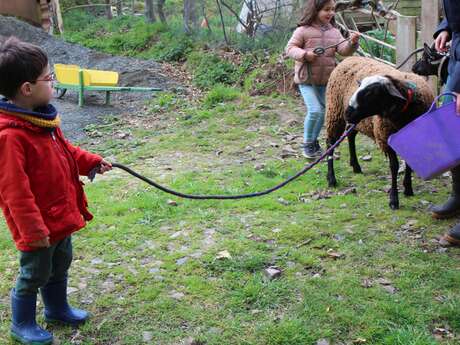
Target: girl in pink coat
{"points": [[312, 70]]}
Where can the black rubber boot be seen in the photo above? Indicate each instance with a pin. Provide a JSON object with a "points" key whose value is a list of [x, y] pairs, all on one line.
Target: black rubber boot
{"points": [[452, 206], [453, 236]]}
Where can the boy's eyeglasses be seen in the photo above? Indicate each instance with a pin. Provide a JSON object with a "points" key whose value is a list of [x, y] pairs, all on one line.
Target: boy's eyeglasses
{"points": [[49, 78]]}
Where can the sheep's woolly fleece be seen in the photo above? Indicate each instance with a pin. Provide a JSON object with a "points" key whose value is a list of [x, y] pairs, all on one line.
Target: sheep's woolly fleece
{"points": [[343, 82]]}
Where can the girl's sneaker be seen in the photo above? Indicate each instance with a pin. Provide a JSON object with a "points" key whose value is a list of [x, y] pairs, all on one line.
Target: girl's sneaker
{"points": [[311, 150], [318, 147]]}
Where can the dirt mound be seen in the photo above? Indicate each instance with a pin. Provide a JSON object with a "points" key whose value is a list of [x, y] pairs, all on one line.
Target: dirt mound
{"points": [[133, 72]]}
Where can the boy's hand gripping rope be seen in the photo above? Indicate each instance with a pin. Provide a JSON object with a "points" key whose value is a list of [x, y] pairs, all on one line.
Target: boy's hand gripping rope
{"points": [[347, 131]]}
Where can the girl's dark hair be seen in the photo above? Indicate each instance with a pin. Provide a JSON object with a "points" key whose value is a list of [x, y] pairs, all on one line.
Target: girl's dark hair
{"points": [[20, 62], [311, 10]]}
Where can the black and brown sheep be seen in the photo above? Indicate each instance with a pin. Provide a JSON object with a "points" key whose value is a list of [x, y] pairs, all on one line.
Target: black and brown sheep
{"points": [[380, 100]]}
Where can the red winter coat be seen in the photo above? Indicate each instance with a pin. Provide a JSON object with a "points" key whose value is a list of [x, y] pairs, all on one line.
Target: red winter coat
{"points": [[40, 190]]}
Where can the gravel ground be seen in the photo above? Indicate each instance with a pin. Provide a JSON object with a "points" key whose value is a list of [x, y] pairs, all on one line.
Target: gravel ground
{"points": [[133, 72]]}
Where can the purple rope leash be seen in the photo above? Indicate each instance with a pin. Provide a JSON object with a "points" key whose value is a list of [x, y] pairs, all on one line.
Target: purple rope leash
{"points": [[347, 131]]}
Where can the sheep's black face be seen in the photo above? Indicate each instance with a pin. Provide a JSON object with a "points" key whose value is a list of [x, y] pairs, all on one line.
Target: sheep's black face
{"points": [[371, 98], [429, 63]]}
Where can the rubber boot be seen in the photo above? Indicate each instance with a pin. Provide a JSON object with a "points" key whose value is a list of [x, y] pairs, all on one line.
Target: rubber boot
{"points": [[24, 328], [453, 236], [452, 206], [57, 309]]}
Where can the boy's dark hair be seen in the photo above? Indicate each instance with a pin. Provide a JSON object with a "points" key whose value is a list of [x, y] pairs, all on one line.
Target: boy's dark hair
{"points": [[311, 10], [20, 62]]}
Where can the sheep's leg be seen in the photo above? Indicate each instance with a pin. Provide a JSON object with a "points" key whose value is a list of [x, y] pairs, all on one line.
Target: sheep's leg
{"points": [[352, 148], [407, 182], [394, 167], [330, 163]]}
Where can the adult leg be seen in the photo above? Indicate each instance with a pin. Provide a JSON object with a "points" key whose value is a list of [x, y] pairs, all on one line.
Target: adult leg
{"points": [[394, 167], [452, 206]]}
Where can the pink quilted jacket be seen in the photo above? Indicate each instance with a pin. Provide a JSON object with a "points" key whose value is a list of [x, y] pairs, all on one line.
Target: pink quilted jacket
{"points": [[307, 38]]}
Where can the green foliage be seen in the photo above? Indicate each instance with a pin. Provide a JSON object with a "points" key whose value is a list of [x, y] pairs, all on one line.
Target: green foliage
{"points": [[376, 49], [209, 69], [220, 93]]}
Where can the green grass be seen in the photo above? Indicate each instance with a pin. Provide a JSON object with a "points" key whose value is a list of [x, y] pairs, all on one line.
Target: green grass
{"points": [[126, 260]]}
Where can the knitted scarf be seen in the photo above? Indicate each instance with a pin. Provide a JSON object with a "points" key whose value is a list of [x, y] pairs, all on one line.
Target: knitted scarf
{"points": [[45, 116]]}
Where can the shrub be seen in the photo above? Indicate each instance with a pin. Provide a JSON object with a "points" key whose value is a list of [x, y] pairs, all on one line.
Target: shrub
{"points": [[209, 70], [376, 49], [220, 93]]}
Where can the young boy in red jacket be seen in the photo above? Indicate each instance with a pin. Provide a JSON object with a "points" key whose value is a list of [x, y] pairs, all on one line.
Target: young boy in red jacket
{"points": [[41, 195]]}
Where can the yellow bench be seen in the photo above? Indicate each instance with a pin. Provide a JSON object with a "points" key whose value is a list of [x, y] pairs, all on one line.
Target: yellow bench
{"points": [[73, 77]]}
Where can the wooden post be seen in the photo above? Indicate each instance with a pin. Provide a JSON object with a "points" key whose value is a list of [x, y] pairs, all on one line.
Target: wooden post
{"points": [[406, 41], [430, 21], [57, 9]]}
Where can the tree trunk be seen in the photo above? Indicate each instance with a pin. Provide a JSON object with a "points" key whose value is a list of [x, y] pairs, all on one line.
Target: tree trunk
{"points": [[149, 13], [160, 10], [190, 15], [133, 6], [108, 10], [119, 7]]}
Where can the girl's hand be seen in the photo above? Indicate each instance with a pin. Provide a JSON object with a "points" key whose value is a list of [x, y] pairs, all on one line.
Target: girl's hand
{"points": [[354, 37], [309, 56], [43, 243], [441, 40], [104, 166]]}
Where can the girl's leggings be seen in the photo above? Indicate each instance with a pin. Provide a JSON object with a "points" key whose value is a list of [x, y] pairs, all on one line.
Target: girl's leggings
{"points": [[314, 101]]}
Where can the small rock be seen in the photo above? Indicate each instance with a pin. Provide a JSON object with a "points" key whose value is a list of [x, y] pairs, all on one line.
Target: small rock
{"points": [[172, 203], [224, 254], [176, 295], [71, 290], [335, 255], [147, 336], [366, 158], [444, 243], [323, 342], [96, 261], [176, 234], [390, 289], [283, 201], [181, 261], [272, 272], [351, 190], [259, 167]]}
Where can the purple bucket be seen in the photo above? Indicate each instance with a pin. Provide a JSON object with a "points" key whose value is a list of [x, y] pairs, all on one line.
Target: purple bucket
{"points": [[430, 144]]}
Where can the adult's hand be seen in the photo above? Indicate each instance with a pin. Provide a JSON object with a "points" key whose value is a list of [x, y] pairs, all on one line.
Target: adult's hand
{"points": [[458, 103], [441, 41]]}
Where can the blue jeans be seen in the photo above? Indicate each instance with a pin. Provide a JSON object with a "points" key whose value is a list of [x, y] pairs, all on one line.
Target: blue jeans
{"points": [[314, 101], [447, 88]]}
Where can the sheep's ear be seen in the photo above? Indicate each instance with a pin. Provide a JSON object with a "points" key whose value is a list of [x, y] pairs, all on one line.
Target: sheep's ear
{"points": [[426, 49], [393, 91]]}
